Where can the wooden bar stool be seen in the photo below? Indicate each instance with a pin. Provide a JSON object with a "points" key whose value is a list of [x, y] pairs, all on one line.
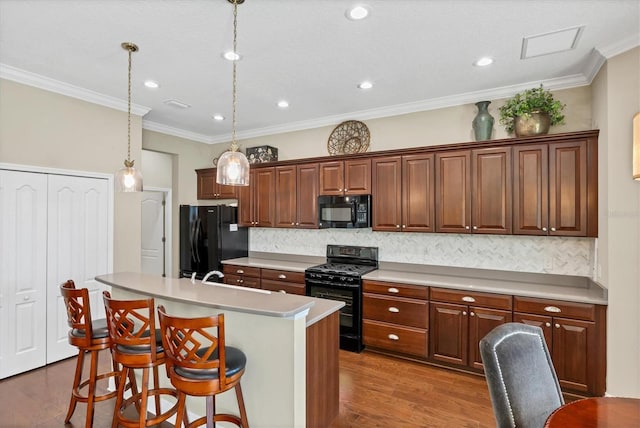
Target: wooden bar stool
{"points": [[199, 364], [136, 344], [89, 336]]}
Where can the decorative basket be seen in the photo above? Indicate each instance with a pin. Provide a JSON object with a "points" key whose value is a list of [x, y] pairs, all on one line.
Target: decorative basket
{"points": [[349, 137]]}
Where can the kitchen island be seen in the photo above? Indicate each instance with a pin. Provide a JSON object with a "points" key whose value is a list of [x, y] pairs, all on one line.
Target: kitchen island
{"points": [[291, 343]]}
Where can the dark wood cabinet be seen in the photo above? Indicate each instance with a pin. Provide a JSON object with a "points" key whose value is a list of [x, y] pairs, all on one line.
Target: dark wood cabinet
{"points": [[458, 320], [403, 193], [555, 188], [209, 189], [395, 317], [473, 191], [296, 196], [283, 281], [256, 202], [347, 177], [243, 276], [574, 333]]}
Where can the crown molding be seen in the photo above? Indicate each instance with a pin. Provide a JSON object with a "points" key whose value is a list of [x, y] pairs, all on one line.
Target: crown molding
{"points": [[176, 132], [620, 46], [32, 79]]}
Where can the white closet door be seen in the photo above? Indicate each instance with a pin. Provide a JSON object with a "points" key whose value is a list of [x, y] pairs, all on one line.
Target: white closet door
{"points": [[153, 257], [78, 233], [23, 267]]}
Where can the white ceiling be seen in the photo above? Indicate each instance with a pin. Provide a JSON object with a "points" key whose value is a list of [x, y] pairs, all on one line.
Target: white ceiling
{"points": [[418, 54]]}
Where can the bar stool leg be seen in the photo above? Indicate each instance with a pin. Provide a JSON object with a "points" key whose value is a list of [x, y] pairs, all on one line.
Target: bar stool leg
{"points": [[243, 412], [211, 411], [91, 395], [119, 397], [145, 396], [156, 386], [76, 382]]}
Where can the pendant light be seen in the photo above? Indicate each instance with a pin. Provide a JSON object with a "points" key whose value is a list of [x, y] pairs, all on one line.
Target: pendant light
{"points": [[129, 179], [233, 166]]}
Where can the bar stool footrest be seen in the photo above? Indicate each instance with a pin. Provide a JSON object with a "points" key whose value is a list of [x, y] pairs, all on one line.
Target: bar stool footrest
{"points": [[135, 399], [220, 417]]}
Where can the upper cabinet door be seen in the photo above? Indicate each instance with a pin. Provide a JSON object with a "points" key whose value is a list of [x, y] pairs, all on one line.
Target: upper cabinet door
{"points": [[387, 193], [264, 198], [530, 190], [285, 194], [357, 177], [491, 190], [307, 191], [209, 189], [332, 178], [568, 188], [418, 197], [453, 191]]}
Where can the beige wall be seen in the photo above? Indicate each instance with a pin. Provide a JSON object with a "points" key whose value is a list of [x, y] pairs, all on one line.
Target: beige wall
{"points": [[616, 99], [434, 127], [45, 129]]}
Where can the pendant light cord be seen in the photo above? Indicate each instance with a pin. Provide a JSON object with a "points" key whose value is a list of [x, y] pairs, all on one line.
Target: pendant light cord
{"points": [[234, 145], [129, 109]]}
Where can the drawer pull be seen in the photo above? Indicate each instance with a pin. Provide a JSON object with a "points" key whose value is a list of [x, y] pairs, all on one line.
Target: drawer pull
{"points": [[240, 271], [554, 309], [282, 276], [393, 290], [468, 299], [393, 337], [473, 314], [557, 325], [547, 324], [394, 309], [464, 313]]}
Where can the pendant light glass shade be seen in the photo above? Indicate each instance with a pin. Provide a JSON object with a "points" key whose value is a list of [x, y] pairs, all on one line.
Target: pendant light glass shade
{"points": [[636, 146], [233, 169], [129, 179], [233, 166]]}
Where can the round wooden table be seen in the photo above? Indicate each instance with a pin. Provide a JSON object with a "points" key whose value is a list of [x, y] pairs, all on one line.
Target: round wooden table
{"points": [[597, 412]]}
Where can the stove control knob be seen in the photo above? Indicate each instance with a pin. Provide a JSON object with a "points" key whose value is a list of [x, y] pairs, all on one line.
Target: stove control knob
{"points": [[344, 279]]}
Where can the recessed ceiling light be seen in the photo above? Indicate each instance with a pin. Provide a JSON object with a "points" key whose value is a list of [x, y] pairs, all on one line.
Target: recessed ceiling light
{"points": [[218, 117], [357, 12], [151, 84], [231, 56], [483, 62], [365, 85], [176, 103], [283, 103]]}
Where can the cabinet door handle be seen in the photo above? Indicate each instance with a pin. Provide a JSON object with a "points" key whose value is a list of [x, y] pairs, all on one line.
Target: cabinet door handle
{"points": [[393, 290], [240, 271], [404, 226], [557, 325], [468, 299], [544, 229], [293, 223], [466, 227], [464, 313], [393, 337], [553, 309], [397, 226], [394, 309], [282, 276], [26, 298], [475, 227], [473, 314], [547, 324], [297, 224], [553, 229]]}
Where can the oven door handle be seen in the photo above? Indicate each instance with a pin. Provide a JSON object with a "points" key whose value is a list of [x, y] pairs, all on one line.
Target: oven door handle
{"points": [[354, 208]]}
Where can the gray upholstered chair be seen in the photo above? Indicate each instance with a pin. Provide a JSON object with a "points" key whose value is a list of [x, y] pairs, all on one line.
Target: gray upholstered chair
{"points": [[523, 385]]}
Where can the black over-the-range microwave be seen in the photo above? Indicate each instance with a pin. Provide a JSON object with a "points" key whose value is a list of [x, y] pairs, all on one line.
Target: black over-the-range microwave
{"points": [[344, 211]]}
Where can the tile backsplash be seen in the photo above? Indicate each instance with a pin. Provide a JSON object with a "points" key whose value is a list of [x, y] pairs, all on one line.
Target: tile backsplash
{"points": [[555, 255]]}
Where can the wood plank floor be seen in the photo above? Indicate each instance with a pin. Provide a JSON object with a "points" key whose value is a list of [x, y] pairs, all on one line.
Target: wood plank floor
{"points": [[375, 391]]}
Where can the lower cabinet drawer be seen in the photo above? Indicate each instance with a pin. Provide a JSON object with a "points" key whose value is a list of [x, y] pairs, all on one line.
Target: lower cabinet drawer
{"points": [[287, 287], [407, 312], [394, 338], [242, 281], [241, 270]]}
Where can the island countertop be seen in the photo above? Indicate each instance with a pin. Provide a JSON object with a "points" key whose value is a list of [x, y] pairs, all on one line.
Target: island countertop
{"points": [[224, 297]]}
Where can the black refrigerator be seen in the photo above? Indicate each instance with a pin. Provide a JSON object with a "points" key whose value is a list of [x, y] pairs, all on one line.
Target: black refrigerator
{"points": [[209, 235]]}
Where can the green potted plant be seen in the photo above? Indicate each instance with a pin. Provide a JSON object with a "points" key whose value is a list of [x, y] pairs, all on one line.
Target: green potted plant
{"points": [[531, 112]]}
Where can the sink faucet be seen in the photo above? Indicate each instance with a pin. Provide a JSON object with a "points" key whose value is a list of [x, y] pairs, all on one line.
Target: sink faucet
{"points": [[213, 272]]}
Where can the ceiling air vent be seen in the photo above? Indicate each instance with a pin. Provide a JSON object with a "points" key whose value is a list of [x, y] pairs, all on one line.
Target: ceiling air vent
{"points": [[176, 103], [548, 43]]}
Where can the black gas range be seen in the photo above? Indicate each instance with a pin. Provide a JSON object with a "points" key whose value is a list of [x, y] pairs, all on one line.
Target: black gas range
{"points": [[341, 279]]}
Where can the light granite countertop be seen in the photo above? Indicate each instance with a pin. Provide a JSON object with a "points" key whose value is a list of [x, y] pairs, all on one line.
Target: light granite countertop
{"points": [[225, 297], [556, 287]]}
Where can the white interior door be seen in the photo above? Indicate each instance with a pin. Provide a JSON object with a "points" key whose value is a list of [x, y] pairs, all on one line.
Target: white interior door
{"points": [[78, 231], [23, 264], [153, 233]]}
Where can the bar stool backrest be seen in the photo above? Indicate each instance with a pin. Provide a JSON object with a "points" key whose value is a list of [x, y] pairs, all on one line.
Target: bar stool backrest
{"points": [[131, 325], [76, 301], [194, 344]]}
